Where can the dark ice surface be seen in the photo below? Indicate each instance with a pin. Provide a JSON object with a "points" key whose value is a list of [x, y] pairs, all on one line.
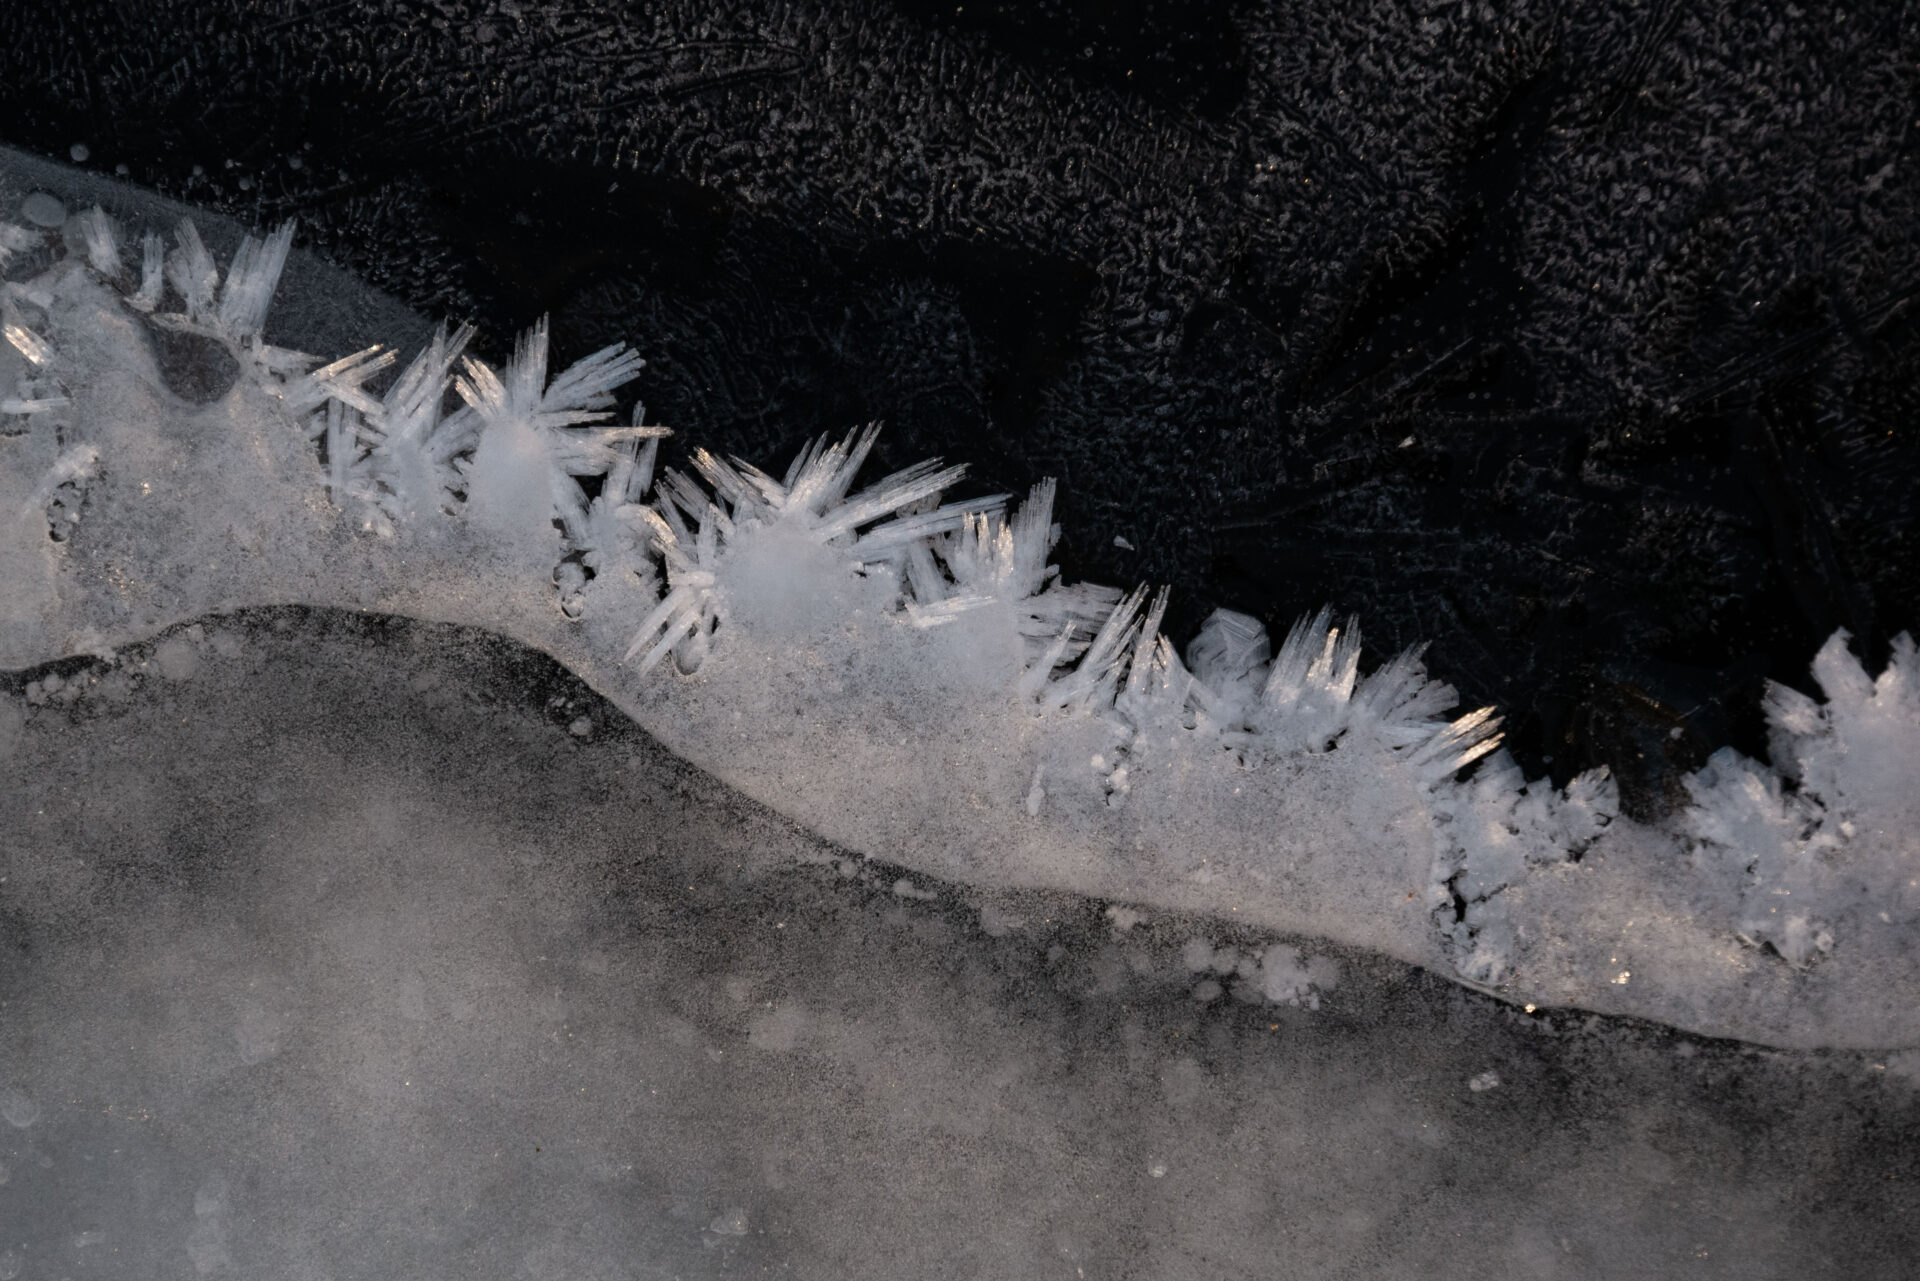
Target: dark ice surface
{"points": [[346, 946]]}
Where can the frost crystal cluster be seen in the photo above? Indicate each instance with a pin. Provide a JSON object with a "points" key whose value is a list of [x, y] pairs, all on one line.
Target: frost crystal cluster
{"points": [[911, 675], [1830, 845]]}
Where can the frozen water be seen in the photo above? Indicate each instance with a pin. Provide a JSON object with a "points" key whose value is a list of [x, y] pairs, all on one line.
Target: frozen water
{"points": [[17, 1109], [320, 918], [43, 209], [908, 675], [345, 957]]}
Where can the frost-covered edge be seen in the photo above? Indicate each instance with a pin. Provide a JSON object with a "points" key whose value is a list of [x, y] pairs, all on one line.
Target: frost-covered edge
{"points": [[510, 457]]}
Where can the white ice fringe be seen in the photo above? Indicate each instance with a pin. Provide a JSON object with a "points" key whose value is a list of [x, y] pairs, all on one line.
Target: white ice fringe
{"points": [[1818, 848]]}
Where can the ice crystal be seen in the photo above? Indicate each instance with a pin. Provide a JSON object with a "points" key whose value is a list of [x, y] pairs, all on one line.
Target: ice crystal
{"points": [[152, 274], [36, 349], [1311, 696], [1228, 657], [1159, 693], [1491, 830], [233, 314], [395, 455], [1834, 827], [1853, 754], [611, 532], [1093, 682], [38, 390], [535, 435], [103, 243], [350, 482], [993, 562], [1761, 841], [302, 388], [781, 546]]}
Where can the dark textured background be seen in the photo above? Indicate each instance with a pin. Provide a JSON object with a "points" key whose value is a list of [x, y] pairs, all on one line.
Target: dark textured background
{"points": [[1579, 340]]}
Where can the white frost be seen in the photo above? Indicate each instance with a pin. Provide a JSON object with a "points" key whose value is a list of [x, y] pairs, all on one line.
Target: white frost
{"points": [[1122, 767]]}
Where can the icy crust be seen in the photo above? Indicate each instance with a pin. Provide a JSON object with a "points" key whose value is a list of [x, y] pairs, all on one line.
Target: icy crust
{"points": [[910, 678]]}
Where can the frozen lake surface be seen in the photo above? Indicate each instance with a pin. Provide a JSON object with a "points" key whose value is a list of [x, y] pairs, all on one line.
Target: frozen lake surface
{"points": [[345, 946]]}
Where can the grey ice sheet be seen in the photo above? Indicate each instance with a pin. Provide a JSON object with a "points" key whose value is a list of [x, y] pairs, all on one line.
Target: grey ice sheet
{"points": [[349, 947]]}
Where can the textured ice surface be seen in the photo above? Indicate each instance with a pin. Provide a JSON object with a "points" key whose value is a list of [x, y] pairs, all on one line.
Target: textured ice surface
{"points": [[335, 948], [908, 677]]}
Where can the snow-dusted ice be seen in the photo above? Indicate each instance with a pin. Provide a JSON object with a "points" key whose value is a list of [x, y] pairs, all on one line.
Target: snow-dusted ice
{"points": [[385, 950]]}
